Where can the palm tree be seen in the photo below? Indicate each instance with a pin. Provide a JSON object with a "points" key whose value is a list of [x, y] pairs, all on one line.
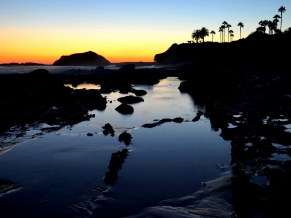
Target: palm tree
{"points": [[220, 30], [225, 25], [241, 25], [196, 35], [288, 31], [228, 26], [270, 26], [263, 24], [261, 29], [276, 19], [212, 32], [203, 33], [282, 9], [231, 35]]}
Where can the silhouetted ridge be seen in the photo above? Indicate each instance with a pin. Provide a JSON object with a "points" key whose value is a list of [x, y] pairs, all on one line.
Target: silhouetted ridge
{"points": [[256, 46], [82, 59]]}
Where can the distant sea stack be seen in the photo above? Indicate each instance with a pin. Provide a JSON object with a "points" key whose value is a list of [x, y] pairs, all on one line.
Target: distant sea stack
{"points": [[82, 59]]}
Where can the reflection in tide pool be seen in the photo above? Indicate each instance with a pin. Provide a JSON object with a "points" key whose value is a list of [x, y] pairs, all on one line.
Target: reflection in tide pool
{"points": [[61, 173], [84, 86]]}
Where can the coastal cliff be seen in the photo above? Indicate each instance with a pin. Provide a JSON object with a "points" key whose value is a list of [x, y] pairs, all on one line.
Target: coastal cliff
{"points": [[255, 49], [82, 59]]}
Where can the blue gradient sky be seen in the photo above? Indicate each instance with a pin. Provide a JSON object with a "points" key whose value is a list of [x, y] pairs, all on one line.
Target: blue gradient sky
{"points": [[128, 30]]}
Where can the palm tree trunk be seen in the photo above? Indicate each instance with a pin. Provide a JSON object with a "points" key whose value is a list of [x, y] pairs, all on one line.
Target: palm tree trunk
{"points": [[212, 37], [281, 21], [240, 33]]}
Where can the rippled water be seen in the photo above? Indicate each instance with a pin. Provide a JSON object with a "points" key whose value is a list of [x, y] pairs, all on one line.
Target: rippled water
{"points": [[61, 173]]}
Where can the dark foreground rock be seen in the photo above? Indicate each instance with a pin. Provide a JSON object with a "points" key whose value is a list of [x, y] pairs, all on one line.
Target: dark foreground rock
{"points": [[124, 109], [251, 107], [41, 97], [138, 92], [108, 129], [130, 99], [125, 137], [162, 121], [115, 164]]}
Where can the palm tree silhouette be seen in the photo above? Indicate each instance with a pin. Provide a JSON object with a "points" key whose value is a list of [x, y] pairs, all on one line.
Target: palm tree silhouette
{"points": [[276, 19], [221, 31], [212, 32], [270, 26], [241, 25], [282, 9], [261, 29], [263, 24], [196, 35], [231, 35], [203, 33], [228, 26], [225, 25], [231, 31]]}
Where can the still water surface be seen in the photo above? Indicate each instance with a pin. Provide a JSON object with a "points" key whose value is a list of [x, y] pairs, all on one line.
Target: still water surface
{"points": [[61, 173]]}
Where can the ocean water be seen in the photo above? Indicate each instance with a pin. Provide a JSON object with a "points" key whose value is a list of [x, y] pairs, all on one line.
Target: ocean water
{"points": [[61, 173], [58, 69]]}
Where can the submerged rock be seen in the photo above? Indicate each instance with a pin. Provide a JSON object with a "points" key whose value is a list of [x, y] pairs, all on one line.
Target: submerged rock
{"points": [[151, 125], [130, 99], [124, 109]]}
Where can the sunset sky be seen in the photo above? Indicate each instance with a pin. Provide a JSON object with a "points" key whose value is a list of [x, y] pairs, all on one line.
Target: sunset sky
{"points": [[120, 30]]}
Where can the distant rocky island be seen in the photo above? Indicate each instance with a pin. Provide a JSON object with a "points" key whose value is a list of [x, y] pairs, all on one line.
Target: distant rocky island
{"points": [[21, 64], [82, 59]]}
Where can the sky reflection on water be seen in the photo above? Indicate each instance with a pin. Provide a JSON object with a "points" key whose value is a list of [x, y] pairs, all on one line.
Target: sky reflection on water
{"points": [[63, 169]]}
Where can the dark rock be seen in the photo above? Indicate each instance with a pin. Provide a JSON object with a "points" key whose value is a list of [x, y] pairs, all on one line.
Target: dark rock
{"points": [[125, 137], [89, 134], [108, 129], [100, 68], [178, 120], [82, 59], [151, 125], [198, 115], [124, 109], [115, 164], [139, 92], [39, 72], [130, 99], [127, 67]]}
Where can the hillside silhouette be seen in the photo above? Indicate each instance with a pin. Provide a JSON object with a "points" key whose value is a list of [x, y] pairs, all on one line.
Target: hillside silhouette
{"points": [[257, 49], [82, 59]]}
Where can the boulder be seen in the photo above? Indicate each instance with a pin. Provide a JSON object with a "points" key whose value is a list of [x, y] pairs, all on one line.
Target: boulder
{"points": [[124, 109], [100, 68], [125, 137], [108, 129], [178, 120], [139, 92], [127, 67], [130, 99]]}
